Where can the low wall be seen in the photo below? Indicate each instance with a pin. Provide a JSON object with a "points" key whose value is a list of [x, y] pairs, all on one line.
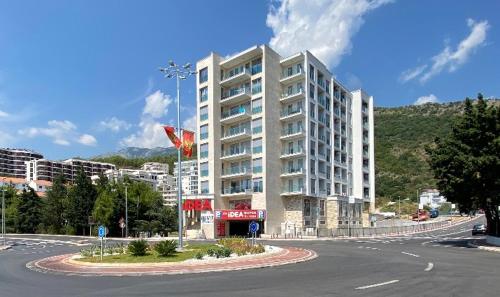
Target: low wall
{"points": [[493, 240], [373, 231]]}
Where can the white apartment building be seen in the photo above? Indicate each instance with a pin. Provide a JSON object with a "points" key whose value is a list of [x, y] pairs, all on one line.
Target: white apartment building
{"points": [[42, 169], [189, 180], [12, 161], [431, 198], [281, 141]]}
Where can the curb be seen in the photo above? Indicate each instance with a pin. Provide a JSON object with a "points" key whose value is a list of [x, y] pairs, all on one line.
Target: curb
{"points": [[484, 247], [5, 247]]}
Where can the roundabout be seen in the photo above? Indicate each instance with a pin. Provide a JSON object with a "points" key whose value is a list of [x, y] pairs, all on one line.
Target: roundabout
{"points": [[67, 264]]}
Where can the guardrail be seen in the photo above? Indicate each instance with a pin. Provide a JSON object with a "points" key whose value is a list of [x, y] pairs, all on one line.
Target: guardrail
{"points": [[355, 231]]}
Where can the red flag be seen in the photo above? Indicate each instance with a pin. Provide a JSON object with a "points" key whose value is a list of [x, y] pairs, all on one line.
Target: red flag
{"points": [[171, 135], [187, 143]]}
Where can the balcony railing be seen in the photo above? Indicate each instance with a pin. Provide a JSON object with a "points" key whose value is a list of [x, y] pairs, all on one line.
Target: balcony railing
{"points": [[236, 72], [236, 131], [237, 190], [292, 150], [295, 130], [235, 152], [293, 92], [236, 171], [235, 92], [293, 189], [292, 170], [232, 113], [294, 71], [292, 111]]}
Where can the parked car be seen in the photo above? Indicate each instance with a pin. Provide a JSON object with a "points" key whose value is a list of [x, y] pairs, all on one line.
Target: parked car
{"points": [[434, 213], [422, 215], [479, 229]]}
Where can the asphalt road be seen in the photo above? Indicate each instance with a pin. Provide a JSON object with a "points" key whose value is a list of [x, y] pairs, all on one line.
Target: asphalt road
{"points": [[438, 263]]}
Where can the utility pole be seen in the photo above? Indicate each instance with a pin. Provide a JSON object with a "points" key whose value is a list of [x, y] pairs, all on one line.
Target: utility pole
{"points": [[3, 213], [179, 72], [126, 213], [399, 206]]}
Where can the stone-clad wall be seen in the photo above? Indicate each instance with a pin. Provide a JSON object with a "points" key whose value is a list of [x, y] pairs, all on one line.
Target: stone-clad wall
{"points": [[293, 210]]}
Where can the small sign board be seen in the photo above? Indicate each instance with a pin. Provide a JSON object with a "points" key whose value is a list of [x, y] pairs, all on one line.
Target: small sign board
{"points": [[101, 231], [352, 200], [453, 206], [253, 226]]}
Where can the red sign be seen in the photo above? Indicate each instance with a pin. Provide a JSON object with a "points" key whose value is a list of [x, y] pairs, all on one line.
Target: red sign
{"points": [[221, 229], [197, 204], [240, 215]]}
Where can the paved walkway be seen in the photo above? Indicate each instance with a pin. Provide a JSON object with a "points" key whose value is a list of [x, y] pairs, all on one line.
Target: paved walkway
{"points": [[63, 264]]}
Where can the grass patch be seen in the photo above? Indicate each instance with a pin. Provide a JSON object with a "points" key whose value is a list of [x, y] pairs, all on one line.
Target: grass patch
{"points": [[189, 252]]}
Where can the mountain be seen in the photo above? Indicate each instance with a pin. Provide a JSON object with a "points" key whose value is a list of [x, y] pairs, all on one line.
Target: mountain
{"points": [[401, 135], [139, 152]]}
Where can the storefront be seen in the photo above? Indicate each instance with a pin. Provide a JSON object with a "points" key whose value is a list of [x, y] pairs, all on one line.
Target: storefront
{"points": [[235, 222], [198, 216]]}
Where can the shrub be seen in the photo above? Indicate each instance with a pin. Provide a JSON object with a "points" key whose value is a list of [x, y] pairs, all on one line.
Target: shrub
{"points": [[109, 250], [199, 255], [211, 252], [223, 252], [166, 248], [138, 247], [257, 249], [86, 253], [119, 248]]}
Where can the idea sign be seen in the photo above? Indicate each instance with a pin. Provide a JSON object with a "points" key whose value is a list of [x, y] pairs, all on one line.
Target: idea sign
{"points": [[197, 204], [240, 215]]}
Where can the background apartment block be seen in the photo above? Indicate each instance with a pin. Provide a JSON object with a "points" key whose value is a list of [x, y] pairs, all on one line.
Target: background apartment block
{"points": [[12, 161], [41, 169], [276, 134], [189, 176]]}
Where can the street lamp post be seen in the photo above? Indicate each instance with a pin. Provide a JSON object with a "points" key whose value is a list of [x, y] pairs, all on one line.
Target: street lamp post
{"points": [[418, 206], [399, 207], [179, 72], [126, 212], [3, 214]]}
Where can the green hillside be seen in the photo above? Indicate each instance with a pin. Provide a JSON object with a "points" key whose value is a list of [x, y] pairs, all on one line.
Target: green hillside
{"points": [[401, 135]]}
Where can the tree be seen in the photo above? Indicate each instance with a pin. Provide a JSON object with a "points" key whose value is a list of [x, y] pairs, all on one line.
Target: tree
{"points": [[28, 210], [11, 203], [82, 196], [466, 163], [54, 212]]}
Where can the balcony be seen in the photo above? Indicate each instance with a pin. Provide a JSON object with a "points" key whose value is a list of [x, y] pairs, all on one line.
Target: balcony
{"points": [[236, 77], [293, 190], [292, 171], [230, 117], [287, 134], [322, 100], [236, 134], [296, 151], [365, 125], [293, 113], [236, 192], [321, 83], [235, 96], [291, 96], [365, 154], [236, 172], [235, 154], [295, 75]]}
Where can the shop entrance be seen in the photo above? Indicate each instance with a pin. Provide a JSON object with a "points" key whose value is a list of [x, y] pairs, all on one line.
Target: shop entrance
{"points": [[239, 228]]}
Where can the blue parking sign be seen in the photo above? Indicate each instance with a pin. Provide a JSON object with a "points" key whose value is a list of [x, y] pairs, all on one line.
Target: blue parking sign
{"points": [[254, 227], [101, 231]]}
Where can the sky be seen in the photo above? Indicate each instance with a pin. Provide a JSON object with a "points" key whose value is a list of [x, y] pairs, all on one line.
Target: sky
{"points": [[80, 78]]}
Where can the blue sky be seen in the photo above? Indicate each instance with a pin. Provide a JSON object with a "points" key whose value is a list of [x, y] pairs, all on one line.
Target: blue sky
{"points": [[80, 78]]}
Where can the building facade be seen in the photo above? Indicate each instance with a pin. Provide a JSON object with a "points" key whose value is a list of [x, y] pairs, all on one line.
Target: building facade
{"points": [[12, 161], [189, 179], [431, 198], [276, 143], [42, 169]]}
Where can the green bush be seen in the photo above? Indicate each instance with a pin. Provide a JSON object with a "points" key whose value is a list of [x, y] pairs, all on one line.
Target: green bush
{"points": [[223, 252], [199, 255], [257, 249], [119, 248], [86, 253], [211, 252], [166, 248], [138, 247]]}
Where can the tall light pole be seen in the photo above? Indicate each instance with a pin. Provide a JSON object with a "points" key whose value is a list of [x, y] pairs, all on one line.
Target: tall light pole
{"points": [[3, 211], [126, 212], [399, 206], [179, 72], [418, 206]]}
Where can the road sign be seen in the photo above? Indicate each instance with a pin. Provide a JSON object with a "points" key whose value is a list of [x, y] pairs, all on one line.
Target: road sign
{"points": [[101, 231], [453, 206], [254, 227]]}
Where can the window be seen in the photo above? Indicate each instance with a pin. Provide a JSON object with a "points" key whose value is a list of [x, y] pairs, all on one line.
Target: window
{"points": [[257, 165], [312, 166], [203, 132], [257, 106], [311, 72], [204, 94], [203, 75], [257, 146], [204, 113], [256, 66], [204, 187], [313, 185], [256, 86], [258, 185], [307, 207], [311, 109], [311, 91], [313, 148], [322, 207], [257, 126], [204, 169], [204, 151], [312, 129]]}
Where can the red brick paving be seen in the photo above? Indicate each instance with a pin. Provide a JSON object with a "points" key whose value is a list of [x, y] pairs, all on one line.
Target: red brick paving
{"points": [[62, 264]]}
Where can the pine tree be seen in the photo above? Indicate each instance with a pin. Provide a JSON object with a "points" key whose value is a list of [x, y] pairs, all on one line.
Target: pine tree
{"points": [[28, 209], [54, 212], [82, 196]]}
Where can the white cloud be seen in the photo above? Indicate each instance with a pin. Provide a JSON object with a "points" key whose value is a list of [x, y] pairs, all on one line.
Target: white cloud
{"points": [[87, 139], [323, 27], [190, 123], [412, 73], [3, 114], [426, 99], [61, 133], [114, 124], [151, 133], [157, 104], [451, 59]]}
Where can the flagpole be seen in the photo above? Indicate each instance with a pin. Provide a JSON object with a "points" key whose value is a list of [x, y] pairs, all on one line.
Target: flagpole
{"points": [[180, 72]]}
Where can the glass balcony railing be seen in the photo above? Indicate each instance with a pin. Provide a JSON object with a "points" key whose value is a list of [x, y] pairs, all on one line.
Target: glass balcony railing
{"points": [[239, 111], [256, 109], [235, 92], [236, 190], [291, 111], [257, 68], [296, 188], [257, 169], [257, 150], [257, 130], [203, 155], [204, 117], [321, 83], [236, 170], [336, 94], [294, 91], [291, 72], [203, 135], [322, 100], [235, 152], [291, 131], [336, 111], [256, 89], [322, 137], [236, 131], [292, 170], [236, 72], [292, 150]]}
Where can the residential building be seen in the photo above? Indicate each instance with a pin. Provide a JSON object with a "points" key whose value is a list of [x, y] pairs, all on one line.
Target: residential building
{"points": [[189, 179], [12, 161], [42, 169], [431, 198], [275, 135], [20, 184]]}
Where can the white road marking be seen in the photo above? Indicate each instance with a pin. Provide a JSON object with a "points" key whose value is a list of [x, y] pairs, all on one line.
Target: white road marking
{"points": [[410, 254], [430, 265], [377, 285]]}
